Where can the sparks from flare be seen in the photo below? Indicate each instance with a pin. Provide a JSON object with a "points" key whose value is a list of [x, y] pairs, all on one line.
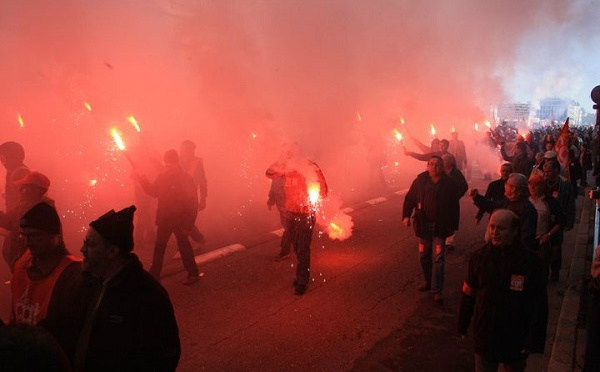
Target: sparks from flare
{"points": [[397, 134], [134, 122]]}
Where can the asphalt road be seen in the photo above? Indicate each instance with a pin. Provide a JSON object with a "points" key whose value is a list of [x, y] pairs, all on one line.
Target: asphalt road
{"points": [[361, 312]]}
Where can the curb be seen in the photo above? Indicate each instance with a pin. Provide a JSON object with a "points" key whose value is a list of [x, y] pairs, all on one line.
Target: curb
{"points": [[563, 356]]}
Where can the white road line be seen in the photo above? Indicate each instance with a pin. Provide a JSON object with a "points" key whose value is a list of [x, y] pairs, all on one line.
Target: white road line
{"points": [[347, 210], [219, 253], [279, 232], [401, 192], [376, 200]]}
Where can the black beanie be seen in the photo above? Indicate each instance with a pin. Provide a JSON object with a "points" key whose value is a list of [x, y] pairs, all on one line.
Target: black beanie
{"points": [[42, 216], [117, 228]]}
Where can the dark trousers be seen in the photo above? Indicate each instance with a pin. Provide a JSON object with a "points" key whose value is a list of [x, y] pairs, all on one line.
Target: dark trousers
{"points": [[163, 233], [299, 228], [286, 244]]}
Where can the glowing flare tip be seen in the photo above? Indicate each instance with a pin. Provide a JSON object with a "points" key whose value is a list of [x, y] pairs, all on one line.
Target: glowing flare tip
{"points": [[476, 127], [87, 106], [118, 140], [134, 122], [313, 193], [20, 119], [432, 129], [397, 134], [93, 182]]}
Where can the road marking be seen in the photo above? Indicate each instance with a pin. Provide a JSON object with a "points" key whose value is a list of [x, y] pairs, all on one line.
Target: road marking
{"points": [[376, 200], [401, 192], [279, 232], [219, 253], [348, 210]]}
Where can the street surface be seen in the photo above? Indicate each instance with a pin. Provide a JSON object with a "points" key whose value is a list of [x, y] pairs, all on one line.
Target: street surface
{"points": [[362, 311]]}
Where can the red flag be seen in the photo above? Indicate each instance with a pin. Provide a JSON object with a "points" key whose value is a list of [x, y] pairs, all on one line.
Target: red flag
{"points": [[562, 146]]}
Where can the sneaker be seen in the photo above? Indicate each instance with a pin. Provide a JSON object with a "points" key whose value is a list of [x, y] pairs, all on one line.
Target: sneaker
{"points": [[282, 257], [425, 286], [300, 290], [191, 280]]}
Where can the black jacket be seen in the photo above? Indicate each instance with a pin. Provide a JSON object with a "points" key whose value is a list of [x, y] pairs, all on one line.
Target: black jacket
{"points": [[444, 197], [509, 303]]}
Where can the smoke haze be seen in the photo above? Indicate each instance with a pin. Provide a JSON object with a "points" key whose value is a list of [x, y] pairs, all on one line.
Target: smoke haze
{"points": [[241, 78]]}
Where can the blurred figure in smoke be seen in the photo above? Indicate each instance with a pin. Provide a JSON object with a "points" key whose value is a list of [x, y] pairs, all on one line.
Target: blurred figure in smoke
{"points": [[147, 162], [504, 331], [461, 187], [434, 197], [520, 161], [32, 189], [276, 172], [194, 166], [377, 160], [12, 156], [303, 184], [46, 271], [457, 148], [585, 159], [443, 149], [495, 189], [175, 215]]}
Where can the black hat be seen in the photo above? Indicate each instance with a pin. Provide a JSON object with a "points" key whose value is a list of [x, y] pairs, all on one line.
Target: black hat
{"points": [[42, 216], [117, 227]]}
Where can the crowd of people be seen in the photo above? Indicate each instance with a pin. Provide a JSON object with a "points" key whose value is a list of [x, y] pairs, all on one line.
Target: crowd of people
{"points": [[106, 312]]}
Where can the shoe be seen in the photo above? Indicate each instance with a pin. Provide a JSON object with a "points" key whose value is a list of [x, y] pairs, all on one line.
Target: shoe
{"points": [[300, 290], [425, 286], [449, 248], [191, 280], [438, 299], [282, 257]]}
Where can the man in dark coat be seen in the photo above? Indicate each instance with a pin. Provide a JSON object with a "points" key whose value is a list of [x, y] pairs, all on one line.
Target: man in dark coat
{"points": [[516, 199], [462, 186], [505, 294], [175, 215], [129, 324], [433, 197], [495, 189], [12, 156]]}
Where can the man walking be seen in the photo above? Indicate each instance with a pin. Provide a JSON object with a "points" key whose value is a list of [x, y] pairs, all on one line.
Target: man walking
{"points": [[433, 197], [505, 294]]}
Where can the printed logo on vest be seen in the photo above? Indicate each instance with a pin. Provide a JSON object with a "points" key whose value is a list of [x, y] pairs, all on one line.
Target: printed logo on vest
{"points": [[517, 282]]}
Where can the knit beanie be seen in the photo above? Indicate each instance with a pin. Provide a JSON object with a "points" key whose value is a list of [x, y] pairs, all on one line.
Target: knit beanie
{"points": [[42, 216], [117, 227]]}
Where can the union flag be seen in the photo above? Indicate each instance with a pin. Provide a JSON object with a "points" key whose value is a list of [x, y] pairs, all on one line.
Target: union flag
{"points": [[562, 146]]}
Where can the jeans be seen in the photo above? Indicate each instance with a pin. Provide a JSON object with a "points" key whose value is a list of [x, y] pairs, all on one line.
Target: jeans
{"points": [[299, 229], [432, 256], [485, 364], [163, 233]]}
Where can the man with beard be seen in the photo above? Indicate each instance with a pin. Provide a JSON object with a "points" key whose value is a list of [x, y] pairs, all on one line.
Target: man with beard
{"points": [[505, 294], [434, 197], [129, 323]]}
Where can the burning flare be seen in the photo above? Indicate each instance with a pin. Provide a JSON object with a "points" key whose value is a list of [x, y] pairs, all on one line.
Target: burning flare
{"points": [[87, 106], [20, 119], [314, 190], [117, 138], [134, 122], [432, 129], [397, 134], [476, 127]]}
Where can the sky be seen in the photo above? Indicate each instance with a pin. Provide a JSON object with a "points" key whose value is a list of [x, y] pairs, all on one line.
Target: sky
{"points": [[243, 78]]}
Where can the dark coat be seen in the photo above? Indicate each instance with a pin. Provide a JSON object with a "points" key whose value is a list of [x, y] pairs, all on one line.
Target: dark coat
{"points": [[177, 197], [134, 328], [510, 303], [495, 191], [445, 203]]}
